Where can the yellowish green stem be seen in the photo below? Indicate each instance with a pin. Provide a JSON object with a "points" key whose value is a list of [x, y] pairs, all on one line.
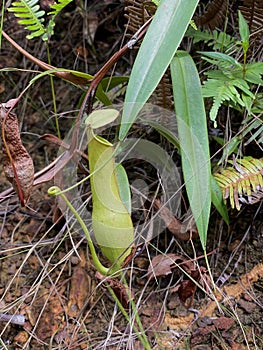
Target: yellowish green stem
{"points": [[140, 334], [55, 191]]}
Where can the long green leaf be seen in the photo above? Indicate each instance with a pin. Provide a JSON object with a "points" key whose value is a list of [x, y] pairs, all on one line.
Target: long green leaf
{"points": [[193, 137], [156, 52]]}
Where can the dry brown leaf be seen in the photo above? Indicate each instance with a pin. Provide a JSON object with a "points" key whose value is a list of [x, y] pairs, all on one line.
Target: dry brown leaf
{"points": [[179, 323], [119, 289], [52, 319], [21, 337], [187, 288], [175, 226], [162, 265], [186, 292], [46, 314], [224, 323], [152, 314], [79, 289], [17, 163]]}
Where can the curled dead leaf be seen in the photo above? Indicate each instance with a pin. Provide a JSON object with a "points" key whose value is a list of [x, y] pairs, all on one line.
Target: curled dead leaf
{"points": [[163, 265], [120, 290], [175, 226], [17, 163]]}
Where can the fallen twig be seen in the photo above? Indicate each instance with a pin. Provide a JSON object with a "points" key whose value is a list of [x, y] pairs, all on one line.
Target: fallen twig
{"points": [[15, 319]]}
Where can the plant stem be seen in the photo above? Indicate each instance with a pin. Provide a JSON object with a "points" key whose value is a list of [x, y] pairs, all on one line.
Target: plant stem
{"points": [[87, 102], [135, 311], [53, 93], [2, 22], [55, 191], [209, 271], [141, 336]]}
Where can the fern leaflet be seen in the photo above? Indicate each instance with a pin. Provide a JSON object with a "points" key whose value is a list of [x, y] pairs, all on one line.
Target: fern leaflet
{"points": [[256, 131], [58, 7], [242, 182], [31, 16]]}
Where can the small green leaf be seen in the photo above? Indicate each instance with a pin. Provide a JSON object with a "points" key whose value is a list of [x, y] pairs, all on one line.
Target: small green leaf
{"points": [[193, 25], [244, 31], [109, 83], [101, 117], [102, 96], [164, 131], [221, 57], [58, 6]]}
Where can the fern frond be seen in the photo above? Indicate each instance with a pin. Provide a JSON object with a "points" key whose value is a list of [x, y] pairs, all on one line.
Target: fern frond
{"points": [[222, 90], [242, 182], [253, 12], [254, 71], [221, 60], [256, 131], [216, 39], [138, 12], [31, 16], [230, 82], [58, 7]]}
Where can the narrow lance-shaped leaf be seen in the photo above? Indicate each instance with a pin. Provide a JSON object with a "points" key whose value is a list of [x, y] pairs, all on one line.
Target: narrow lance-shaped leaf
{"points": [[156, 52], [193, 137], [244, 32]]}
